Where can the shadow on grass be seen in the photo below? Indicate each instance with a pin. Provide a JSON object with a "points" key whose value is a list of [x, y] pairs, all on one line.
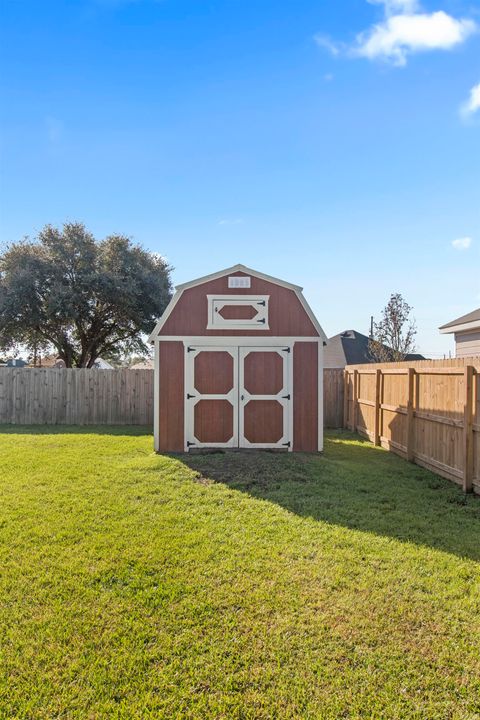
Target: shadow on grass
{"points": [[133, 430], [358, 486]]}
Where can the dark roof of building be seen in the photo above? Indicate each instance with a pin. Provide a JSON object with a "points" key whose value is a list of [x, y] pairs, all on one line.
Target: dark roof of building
{"points": [[468, 318], [17, 362], [350, 347]]}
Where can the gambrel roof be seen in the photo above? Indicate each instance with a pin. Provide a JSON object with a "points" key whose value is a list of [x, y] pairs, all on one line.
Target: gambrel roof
{"points": [[239, 268]]}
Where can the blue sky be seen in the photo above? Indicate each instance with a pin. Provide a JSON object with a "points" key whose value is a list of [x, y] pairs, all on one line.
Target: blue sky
{"points": [[332, 144]]}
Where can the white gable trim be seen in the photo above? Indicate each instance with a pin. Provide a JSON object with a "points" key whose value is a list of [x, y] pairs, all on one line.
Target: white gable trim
{"points": [[310, 314], [235, 268], [166, 314]]}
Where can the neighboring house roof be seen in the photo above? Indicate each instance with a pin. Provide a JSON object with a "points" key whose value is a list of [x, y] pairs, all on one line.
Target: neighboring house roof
{"points": [[350, 347], [142, 365], [470, 321], [228, 271], [17, 362]]}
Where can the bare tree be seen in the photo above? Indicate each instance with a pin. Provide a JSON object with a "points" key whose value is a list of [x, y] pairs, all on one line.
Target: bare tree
{"points": [[393, 336]]}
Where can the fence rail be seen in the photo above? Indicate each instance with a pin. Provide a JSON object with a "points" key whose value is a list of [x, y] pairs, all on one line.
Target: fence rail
{"points": [[46, 396], [428, 412]]}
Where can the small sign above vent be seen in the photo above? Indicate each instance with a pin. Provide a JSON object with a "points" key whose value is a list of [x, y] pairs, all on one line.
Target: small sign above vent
{"points": [[239, 281]]}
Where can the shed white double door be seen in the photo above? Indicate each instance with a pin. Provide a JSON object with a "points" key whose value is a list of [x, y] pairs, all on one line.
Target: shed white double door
{"points": [[238, 397]]}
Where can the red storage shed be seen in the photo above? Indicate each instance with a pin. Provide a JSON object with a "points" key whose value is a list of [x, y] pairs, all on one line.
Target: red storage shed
{"points": [[238, 364]]}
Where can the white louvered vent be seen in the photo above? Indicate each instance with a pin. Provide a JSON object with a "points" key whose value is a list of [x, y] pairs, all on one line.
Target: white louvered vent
{"points": [[235, 281]]}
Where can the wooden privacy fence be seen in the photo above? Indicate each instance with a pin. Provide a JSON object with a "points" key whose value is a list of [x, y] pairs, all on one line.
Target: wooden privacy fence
{"points": [[333, 389], [428, 412], [41, 396]]}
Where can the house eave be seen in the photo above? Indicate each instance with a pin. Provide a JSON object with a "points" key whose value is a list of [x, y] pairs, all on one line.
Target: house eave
{"points": [[463, 327]]}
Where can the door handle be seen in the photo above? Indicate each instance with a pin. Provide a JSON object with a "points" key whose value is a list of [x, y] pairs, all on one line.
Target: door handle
{"points": [[242, 397]]}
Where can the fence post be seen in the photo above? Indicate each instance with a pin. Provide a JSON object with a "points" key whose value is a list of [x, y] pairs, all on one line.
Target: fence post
{"points": [[354, 400], [378, 400], [345, 398], [410, 415], [468, 429]]}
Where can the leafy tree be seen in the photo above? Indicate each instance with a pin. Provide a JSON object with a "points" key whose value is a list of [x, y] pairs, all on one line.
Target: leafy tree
{"points": [[134, 359], [83, 297], [394, 335]]}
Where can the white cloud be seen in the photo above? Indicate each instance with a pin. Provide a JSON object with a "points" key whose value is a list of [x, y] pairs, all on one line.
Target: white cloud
{"points": [[326, 43], [462, 243], [405, 30], [473, 103], [404, 34], [397, 6]]}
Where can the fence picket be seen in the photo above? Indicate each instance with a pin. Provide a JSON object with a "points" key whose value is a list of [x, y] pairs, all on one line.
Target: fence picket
{"points": [[429, 413]]}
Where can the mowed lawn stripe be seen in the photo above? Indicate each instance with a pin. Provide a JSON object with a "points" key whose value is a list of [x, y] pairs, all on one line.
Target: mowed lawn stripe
{"points": [[237, 585]]}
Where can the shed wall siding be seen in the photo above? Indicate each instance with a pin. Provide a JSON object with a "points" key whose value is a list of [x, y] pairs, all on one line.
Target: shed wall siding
{"points": [[467, 344], [287, 317], [305, 396], [172, 393]]}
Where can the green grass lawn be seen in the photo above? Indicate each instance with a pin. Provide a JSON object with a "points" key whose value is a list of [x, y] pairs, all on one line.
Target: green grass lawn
{"points": [[238, 585]]}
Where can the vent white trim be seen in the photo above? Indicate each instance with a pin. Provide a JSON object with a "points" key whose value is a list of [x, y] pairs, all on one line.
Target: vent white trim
{"points": [[216, 303]]}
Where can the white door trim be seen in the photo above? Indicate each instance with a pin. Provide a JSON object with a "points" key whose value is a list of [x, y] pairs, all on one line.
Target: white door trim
{"points": [[192, 396], [284, 397], [156, 397]]}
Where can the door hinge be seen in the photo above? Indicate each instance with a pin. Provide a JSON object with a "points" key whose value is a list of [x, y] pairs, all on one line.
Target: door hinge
{"points": [[261, 302], [190, 349], [286, 397], [189, 444], [261, 321], [286, 444], [286, 349], [190, 396]]}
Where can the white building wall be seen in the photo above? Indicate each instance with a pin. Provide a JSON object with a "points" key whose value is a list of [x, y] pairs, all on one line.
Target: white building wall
{"points": [[467, 344]]}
